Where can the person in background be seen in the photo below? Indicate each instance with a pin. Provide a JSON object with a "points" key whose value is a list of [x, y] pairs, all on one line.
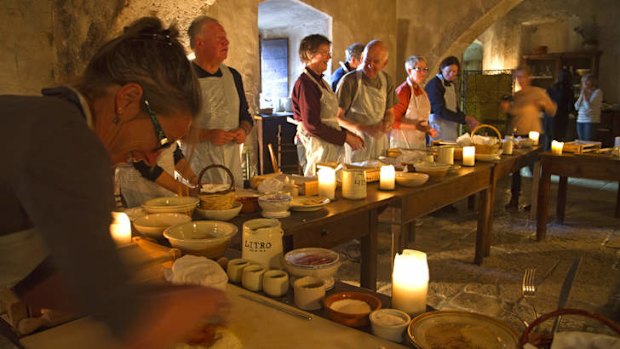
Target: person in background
{"points": [[137, 96], [354, 58], [525, 116], [225, 121], [445, 114], [140, 182], [365, 100], [315, 105], [588, 107], [561, 93], [411, 113]]}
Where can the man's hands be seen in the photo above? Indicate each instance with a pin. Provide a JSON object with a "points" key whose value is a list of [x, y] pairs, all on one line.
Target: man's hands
{"points": [[220, 137], [354, 141], [471, 122]]}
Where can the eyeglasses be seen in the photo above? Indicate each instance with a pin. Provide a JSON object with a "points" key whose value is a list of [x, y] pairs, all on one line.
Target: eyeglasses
{"points": [[164, 142], [420, 69]]}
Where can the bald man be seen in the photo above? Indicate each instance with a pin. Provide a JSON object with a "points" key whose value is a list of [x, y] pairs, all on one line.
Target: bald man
{"points": [[365, 100]]}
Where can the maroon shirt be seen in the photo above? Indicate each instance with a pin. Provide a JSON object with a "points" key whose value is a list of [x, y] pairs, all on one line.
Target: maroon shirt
{"points": [[306, 100]]}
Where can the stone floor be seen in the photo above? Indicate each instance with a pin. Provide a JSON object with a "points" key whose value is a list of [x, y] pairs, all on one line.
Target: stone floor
{"points": [[590, 231]]}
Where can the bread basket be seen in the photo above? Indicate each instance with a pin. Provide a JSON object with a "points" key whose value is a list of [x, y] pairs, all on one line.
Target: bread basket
{"points": [[487, 148], [221, 200]]}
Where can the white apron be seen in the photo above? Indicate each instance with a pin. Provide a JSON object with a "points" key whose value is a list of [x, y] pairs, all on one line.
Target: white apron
{"points": [[446, 130], [136, 189], [419, 108], [316, 149], [367, 108], [220, 110]]}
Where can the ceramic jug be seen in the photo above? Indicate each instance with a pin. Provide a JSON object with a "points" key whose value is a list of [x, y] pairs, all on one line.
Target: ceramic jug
{"points": [[262, 242]]}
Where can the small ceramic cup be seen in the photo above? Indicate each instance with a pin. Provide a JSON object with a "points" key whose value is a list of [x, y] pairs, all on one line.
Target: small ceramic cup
{"points": [[309, 292], [275, 283], [235, 269], [389, 324], [252, 278]]}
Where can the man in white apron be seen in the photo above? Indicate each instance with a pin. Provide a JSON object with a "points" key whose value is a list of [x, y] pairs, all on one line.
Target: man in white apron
{"points": [[365, 99], [413, 108], [315, 106], [445, 115], [354, 58], [224, 122]]}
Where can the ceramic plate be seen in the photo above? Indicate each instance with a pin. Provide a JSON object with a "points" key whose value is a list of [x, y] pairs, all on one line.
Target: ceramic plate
{"points": [[458, 329], [309, 203]]}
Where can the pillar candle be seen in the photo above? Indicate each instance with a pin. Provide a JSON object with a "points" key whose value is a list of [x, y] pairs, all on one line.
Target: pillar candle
{"points": [[120, 229], [469, 156], [387, 178], [410, 281], [327, 182], [556, 147], [534, 137]]}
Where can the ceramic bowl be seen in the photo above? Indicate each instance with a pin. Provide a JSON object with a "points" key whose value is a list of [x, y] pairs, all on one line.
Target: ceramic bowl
{"points": [[436, 171], [411, 179], [389, 324], [153, 225], [347, 307], [172, 204], [204, 238], [312, 261], [275, 202], [221, 215]]}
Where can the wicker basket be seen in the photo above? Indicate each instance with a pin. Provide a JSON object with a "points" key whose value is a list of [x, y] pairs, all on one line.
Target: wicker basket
{"points": [[543, 340], [222, 200], [487, 148]]}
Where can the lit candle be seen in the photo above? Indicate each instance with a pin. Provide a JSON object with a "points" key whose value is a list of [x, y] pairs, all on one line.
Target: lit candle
{"points": [[327, 182], [120, 229], [387, 178], [469, 156], [534, 137], [556, 147], [410, 282]]}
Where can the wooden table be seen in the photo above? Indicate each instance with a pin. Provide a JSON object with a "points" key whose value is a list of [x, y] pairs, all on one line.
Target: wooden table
{"points": [[602, 167], [417, 202]]}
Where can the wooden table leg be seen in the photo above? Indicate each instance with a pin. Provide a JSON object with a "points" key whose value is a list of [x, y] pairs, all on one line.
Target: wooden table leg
{"points": [[618, 201], [491, 213], [561, 204], [483, 234], [368, 263], [534, 198], [471, 202], [543, 198]]}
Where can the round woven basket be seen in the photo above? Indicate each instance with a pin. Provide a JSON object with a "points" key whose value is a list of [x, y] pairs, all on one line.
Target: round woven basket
{"points": [[222, 200], [487, 148], [540, 340]]}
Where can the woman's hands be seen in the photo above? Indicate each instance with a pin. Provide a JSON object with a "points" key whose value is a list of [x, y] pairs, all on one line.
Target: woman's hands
{"points": [[353, 140]]}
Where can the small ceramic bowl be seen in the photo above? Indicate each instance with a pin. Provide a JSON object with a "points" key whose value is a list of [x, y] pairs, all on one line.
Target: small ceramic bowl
{"points": [[172, 204], [312, 261], [411, 179], [436, 171], [203, 238], [351, 308], [153, 225], [275, 202], [221, 215], [389, 324]]}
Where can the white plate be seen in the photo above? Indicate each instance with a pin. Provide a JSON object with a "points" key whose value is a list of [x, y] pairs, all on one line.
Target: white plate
{"points": [[487, 157], [282, 214], [309, 203]]}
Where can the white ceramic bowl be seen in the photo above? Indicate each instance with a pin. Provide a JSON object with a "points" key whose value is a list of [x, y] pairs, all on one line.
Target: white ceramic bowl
{"points": [[204, 238], [153, 225], [436, 171], [275, 202], [221, 215], [411, 179], [389, 324], [312, 261], [172, 204]]}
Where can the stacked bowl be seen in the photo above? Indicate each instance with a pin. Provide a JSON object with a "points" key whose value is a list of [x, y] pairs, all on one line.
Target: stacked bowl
{"points": [[172, 204]]}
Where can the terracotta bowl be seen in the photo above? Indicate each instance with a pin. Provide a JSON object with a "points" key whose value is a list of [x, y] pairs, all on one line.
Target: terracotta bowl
{"points": [[348, 317]]}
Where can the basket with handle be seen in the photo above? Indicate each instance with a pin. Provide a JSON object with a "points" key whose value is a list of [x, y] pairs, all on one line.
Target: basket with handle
{"points": [[487, 148], [543, 340], [221, 200]]}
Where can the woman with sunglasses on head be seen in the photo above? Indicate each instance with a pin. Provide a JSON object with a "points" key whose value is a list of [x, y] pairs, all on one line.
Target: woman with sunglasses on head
{"points": [[411, 113], [137, 93], [445, 113]]}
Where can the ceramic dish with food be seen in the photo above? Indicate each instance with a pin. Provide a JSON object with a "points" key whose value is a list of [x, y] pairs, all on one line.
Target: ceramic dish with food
{"points": [[309, 203], [436, 171], [221, 215], [351, 308], [312, 261], [489, 157], [153, 225], [204, 238], [389, 324], [275, 202], [411, 179]]}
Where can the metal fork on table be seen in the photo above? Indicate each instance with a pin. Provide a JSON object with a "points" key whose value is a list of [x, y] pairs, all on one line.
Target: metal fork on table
{"points": [[528, 286]]}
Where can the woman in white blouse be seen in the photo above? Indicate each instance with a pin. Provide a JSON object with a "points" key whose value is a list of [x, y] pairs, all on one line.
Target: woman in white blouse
{"points": [[588, 108]]}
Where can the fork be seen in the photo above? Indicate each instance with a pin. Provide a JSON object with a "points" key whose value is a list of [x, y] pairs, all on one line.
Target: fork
{"points": [[528, 286]]}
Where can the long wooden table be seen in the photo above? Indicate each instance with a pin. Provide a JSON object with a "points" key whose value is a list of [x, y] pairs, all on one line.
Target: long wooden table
{"points": [[602, 167]]}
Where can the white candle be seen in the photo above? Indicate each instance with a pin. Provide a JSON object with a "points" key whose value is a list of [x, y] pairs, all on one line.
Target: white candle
{"points": [[120, 229], [534, 136], [410, 282], [469, 156], [387, 178], [556, 147], [327, 182]]}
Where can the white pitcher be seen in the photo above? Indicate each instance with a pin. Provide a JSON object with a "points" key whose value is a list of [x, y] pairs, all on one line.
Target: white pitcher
{"points": [[262, 242]]}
